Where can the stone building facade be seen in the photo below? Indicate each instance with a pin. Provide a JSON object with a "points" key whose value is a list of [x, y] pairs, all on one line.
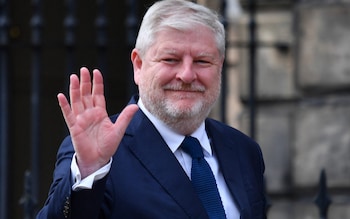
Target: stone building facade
{"points": [[303, 100]]}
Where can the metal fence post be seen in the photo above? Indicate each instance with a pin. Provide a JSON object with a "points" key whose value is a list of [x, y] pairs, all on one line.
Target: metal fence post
{"points": [[70, 24], [223, 102], [101, 24], [4, 24], [131, 33], [252, 66], [32, 178], [323, 200], [27, 200]]}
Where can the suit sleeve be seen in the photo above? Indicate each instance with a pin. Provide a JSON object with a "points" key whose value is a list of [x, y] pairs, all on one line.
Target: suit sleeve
{"points": [[258, 197], [62, 202]]}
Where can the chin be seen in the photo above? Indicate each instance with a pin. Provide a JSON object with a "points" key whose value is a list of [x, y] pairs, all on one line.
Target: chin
{"points": [[184, 110]]}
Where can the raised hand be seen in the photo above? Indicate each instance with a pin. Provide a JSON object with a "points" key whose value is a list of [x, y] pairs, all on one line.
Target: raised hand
{"points": [[95, 138]]}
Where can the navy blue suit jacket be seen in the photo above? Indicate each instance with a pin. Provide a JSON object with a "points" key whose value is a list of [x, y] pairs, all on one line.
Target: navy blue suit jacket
{"points": [[147, 182]]}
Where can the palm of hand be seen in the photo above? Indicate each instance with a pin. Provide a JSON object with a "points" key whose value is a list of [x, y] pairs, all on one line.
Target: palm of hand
{"points": [[95, 138]]}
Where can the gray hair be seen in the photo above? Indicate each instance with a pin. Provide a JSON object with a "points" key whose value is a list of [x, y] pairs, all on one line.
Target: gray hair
{"points": [[180, 15]]}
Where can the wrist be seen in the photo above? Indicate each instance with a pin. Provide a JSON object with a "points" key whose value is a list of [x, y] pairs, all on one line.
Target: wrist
{"points": [[88, 168]]}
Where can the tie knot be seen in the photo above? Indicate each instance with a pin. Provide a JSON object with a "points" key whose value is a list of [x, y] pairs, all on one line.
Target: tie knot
{"points": [[192, 147]]}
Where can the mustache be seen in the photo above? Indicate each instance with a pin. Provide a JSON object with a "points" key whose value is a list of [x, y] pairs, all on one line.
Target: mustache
{"points": [[185, 87]]}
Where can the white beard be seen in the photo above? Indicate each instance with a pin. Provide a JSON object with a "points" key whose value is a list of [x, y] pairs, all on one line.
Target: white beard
{"points": [[181, 119]]}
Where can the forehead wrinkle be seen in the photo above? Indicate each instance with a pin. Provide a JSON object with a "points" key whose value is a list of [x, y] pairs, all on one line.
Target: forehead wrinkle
{"points": [[169, 51], [165, 50]]}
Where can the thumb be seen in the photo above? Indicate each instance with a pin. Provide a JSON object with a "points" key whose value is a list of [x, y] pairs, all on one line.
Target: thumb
{"points": [[124, 119]]}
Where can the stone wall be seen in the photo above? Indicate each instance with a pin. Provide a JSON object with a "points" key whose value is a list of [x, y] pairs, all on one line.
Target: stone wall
{"points": [[303, 94]]}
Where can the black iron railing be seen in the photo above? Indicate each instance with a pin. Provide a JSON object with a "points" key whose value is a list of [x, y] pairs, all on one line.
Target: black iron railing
{"points": [[36, 24], [4, 110], [323, 200]]}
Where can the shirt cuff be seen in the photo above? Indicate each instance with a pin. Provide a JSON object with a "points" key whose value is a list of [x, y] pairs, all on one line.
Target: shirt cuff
{"points": [[88, 181]]}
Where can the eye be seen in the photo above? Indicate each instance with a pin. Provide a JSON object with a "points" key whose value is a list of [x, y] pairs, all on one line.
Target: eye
{"points": [[170, 60], [202, 62]]}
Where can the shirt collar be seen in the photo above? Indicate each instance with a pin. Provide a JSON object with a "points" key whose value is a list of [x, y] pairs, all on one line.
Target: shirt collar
{"points": [[173, 139]]}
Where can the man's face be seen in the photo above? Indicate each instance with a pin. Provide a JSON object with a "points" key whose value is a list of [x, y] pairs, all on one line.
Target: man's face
{"points": [[179, 76]]}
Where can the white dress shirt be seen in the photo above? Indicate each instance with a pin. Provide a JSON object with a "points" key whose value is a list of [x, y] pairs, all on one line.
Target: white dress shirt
{"points": [[174, 141]]}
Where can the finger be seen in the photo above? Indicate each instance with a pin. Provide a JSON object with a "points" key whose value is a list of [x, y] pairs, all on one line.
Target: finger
{"points": [[85, 87], [74, 92], [98, 89], [66, 110], [124, 119]]}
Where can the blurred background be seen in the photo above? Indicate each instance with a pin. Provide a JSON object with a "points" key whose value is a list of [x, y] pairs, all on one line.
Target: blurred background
{"points": [[286, 83]]}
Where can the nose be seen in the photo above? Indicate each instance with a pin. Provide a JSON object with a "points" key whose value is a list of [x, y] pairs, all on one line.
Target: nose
{"points": [[186, 72]]}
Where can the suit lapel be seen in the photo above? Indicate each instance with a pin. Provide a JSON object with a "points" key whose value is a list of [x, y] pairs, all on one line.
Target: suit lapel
{"points": [[151, 150], [227, 154]]}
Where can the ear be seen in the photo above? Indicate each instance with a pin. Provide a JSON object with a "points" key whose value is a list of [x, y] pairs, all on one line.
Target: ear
{"points": [[137, 64]]}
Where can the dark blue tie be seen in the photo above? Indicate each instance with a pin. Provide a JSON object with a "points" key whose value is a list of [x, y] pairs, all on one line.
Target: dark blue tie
{"points": [[203, 179]]}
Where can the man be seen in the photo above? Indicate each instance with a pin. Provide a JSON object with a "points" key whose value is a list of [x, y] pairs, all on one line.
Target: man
{"points": [[136, 164]]}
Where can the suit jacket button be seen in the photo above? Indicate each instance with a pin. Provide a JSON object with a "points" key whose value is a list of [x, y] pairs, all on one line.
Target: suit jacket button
{"points": [[66, 208]]}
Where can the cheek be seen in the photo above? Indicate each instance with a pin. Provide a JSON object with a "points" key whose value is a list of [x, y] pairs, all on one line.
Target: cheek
{"points": [[144, 82], [210, 80], [145, 77], [149, 81], [161, 78]]}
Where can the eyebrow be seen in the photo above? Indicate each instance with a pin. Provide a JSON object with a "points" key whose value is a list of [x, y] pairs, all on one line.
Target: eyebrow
{"points": [[168, 51], [205, 54], [174, 52]]}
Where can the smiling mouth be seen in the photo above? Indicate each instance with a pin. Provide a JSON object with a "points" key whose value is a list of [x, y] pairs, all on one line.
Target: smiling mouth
{"points": [[184, 94], [184, 88], [185, 91]]}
